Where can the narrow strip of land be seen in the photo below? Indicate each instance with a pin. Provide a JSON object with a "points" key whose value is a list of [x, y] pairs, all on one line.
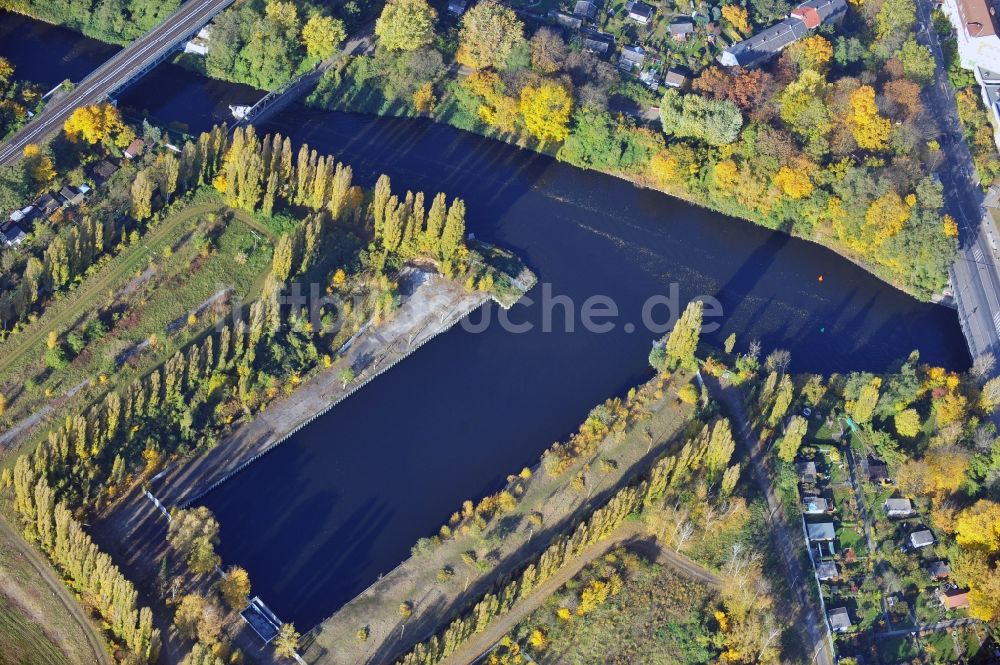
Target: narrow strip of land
{"points": [[811, 624], [630, 534]]}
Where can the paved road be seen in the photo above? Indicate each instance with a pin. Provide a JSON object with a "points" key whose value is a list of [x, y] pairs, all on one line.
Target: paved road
{"points": [[812, 624], [117, 71], [974, 274], [45, 571]]}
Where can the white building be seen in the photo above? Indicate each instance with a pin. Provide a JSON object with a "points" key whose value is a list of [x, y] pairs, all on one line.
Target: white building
{"points": [[977, 27]]}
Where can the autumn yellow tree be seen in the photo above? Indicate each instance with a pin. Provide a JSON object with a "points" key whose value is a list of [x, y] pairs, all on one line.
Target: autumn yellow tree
{"points": [[950, 226], [813, 52], [737, 17], [979, 526], [498, 110], [235, 587], [726, 174], [793, 182], [97, 123], [870, 130], [38, 164], [886, 217], [546, 111], [424, 99], [321, 35]]}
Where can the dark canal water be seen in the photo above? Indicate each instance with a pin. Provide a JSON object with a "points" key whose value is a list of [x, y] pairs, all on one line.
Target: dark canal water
{"points": [[317, 520]]}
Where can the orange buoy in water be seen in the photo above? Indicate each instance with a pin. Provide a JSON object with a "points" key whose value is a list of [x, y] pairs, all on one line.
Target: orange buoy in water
{"points": [[820, 278]]}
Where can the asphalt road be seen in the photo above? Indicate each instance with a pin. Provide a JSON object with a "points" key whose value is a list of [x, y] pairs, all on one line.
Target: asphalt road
{"points": [[974, 274], [117, 71]]}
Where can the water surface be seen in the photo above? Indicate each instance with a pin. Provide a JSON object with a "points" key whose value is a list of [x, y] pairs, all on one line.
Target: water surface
{"points": [[317, 520]]}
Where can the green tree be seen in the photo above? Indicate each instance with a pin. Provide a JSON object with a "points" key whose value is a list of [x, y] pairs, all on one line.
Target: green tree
{"points": [[862, 408], [714, 121], [682, 342], [917, 61], [782, 400], [321, 36], [405, 25], [490, 32], [454, 229], [730, 343], [142, 195], [907, 423], [788, 447]]}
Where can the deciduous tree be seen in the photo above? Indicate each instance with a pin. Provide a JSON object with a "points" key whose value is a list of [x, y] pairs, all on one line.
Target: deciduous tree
{"points": [[405, 25]]}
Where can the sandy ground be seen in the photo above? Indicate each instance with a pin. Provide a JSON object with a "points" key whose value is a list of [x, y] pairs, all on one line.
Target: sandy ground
{"points": [[134, 531]]}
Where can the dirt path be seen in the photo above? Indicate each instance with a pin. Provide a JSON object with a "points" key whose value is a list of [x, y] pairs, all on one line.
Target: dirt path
{"points": [[44, 569], [630, 534], [811, 625]]}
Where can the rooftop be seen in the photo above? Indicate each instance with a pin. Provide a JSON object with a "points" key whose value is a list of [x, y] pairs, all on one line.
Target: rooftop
{"points": [[979, 17], [821, 531], [839, 619], [921, 538], [827, 570]]}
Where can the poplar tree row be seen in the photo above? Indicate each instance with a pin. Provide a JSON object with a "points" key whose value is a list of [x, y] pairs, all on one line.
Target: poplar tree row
{"points": [[90, 570], [258, 172], [408, 229], [711, 448]]}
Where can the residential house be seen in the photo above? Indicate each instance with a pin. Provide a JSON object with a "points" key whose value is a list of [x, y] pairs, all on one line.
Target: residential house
{"points": [[878, 472], [767, 43], [135, 149], [457, 7], [954, 598], [47, 204], [70, 196], [681, 30], [597, 42], [977, 28], [815, 505], [640, 12], [807, 472], [921, 538], [840, 620], [13, 235], [939, 569], [24, 215], [827, 570], [898, 507], [675, 79], [631, 58], [102, 171], [567, 21], [821, 532], [650, 79], [585, 9]]}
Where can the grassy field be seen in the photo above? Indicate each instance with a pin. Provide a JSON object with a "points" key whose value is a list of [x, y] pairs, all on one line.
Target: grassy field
{"points": [[657, 617], [202, 254], [36, 625]]}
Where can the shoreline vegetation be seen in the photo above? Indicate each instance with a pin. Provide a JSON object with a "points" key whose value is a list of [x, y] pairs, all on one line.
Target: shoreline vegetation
{"points": [[823, 144], [657, 464], [370, 249]]}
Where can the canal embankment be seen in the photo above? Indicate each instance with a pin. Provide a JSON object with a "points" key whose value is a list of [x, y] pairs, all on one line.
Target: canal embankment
{"points": [[446, 573]]}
